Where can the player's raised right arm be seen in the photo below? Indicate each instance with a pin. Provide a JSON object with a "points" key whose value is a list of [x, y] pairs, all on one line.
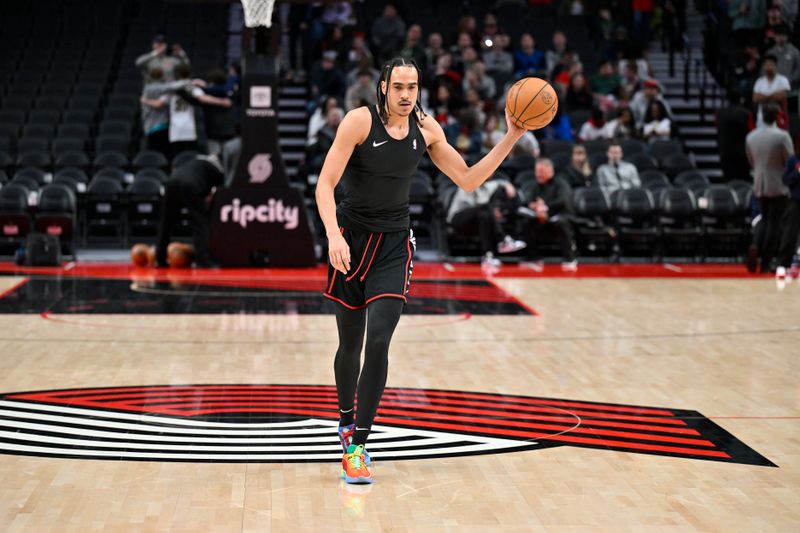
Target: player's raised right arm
{"points": [[352, 131]]}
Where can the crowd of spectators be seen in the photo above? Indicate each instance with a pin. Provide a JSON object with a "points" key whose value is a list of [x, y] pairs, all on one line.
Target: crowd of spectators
{"points": [[467, 69]]}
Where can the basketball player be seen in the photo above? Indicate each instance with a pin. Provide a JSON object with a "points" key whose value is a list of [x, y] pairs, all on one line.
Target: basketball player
{"points": [[376, 151]]}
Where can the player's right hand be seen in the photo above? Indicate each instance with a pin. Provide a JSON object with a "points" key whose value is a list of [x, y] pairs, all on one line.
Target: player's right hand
{"points": [[339, 253]]}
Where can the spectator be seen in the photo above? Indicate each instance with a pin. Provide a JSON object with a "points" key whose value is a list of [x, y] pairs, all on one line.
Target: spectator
{"points": [[559, 128], [606, 81], [771, 87], [434, 49], [641, 101], [617, 174], [624, 126], [158, 59], [642, 13], [498, 59], [768, 148], [733, 125], [788, 58], [463, 43], [362, 93], [182, 122], [555, 56], [775, 23], [478, 212], [596, 127], [155, 112], [631, 83], [334, 41], [413, 47], [747, 20], [578, 173], [791, 222], [317, 120], [549, 203], [444, 73], [657, 125], [326, 78], [476, 78], [366, 65], [621, 46], [475, 105], [490, 31], [469, 25], [573, 8], [469, 58], [359, 55], [491, 135], [528, 60], [324, 138], [388, 32], [579, 95], [746, 69], [189, 186], [221, 122]]}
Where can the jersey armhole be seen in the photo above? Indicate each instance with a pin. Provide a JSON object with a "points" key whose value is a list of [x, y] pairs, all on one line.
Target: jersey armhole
{"points": [[372, 116]]}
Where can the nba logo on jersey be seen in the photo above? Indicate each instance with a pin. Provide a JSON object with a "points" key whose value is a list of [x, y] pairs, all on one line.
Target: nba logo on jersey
{"points": [[261, 96], [414, 144]]}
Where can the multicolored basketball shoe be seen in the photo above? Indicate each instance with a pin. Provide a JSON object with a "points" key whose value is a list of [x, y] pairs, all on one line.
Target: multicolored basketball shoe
{"points": [[346, 438], [353, 468]]}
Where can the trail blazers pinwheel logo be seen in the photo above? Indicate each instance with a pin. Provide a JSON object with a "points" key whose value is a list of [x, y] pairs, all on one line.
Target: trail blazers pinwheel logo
{"points": [[286, 423]]}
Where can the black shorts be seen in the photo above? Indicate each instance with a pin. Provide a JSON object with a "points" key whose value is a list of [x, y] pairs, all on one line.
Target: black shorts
{"points": [[380, 267]]}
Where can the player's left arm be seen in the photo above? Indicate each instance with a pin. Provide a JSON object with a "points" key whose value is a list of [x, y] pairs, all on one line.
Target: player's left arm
{"points": [[449, 161]]}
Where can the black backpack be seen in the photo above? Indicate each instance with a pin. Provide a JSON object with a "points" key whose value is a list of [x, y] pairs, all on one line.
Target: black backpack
{"points": [[42, 250]]}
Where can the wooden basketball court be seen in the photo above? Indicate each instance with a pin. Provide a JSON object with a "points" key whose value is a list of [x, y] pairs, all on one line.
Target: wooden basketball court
{"points": [[652, 339]]}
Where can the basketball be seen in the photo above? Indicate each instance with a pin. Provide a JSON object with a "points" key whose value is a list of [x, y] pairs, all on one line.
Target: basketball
{"points": [[180, 255], [531, 103], [139, 255]]}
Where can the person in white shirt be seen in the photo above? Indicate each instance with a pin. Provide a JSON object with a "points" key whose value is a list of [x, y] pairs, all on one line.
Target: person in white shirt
{"points": [[657, 125], [771, 87], [596, 127]]}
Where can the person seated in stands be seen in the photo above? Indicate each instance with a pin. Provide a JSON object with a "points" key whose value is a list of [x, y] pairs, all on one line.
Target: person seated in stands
{"points": [[547, 214], [560, 49], [641, 101], [479, 213], [362, 92], [579, 95], [578, 173], [491, 135], [617, 174], [624, 126], [528, 60], [324, 139], [499, 61], [606, 81], [317, 120], [657, 125], [596, 127], [788, 57]]}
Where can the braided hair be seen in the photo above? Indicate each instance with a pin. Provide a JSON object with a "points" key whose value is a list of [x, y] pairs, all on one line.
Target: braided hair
{"points": [[386, 74]]}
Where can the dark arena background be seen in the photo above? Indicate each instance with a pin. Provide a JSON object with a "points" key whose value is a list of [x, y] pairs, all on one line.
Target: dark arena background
{"points": [[602, 337]]}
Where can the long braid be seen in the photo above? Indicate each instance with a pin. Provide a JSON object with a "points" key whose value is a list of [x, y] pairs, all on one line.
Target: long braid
{"points": [[386, 75]]}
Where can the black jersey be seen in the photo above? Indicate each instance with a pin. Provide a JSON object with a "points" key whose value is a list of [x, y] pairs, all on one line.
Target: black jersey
{"points": [[377, 179]]}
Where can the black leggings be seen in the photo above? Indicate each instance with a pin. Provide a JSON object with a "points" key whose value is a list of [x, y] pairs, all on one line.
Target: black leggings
{"points": [[380, 318]]}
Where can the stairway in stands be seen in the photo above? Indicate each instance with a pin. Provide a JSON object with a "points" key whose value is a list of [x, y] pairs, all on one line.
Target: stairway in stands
{"points": [[696, 123], [292, 125]]}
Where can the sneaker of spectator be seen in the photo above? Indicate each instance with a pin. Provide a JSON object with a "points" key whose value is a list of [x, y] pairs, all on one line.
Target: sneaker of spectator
{"points": [[570, 266], [509, 245], [490, 264]]}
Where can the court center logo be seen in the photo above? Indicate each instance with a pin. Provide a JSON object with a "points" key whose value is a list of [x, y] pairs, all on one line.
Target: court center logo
{"points": [[297, 423]]}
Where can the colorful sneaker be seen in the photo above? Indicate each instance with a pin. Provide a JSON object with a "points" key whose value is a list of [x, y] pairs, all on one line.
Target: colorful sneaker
{"points": [[353, 468], [346, 438]]}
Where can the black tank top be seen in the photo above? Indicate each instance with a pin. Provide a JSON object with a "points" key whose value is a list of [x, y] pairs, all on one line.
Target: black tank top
{"points": [[377, 179]]}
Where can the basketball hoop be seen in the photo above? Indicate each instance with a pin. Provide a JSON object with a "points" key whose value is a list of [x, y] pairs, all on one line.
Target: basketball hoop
{"points": [[258, 13]]}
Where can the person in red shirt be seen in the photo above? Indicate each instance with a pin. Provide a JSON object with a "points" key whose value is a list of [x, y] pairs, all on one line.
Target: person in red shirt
{"points": [[642, 12]]}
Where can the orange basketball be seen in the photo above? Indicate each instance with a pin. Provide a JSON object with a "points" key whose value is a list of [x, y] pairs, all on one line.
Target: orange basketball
{"points": [[139, 256], [531, 103], [180, 255]]}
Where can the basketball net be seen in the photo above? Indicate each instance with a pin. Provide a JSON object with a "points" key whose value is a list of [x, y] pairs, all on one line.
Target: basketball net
{"points": [[258, 13]]}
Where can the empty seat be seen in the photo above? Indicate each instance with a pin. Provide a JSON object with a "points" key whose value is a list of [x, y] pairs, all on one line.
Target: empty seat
{"points": [[557, 145], [663, 149], [34, 173], [561, 160], [596, 146], [678, 217], [43, 131], [654, 181], [641, 161], [116, 143], [43, 116], [31, 144], [115, 127], [55, 215], [636, 224], [594, 234], [73, 130], [15, 222], [184, 157], [156, 173], [35, 158], [693, 180], [632, 146], [597, 159], [151, 159], [63, 145], [144, 208], [113, 173], [73, 159], [674, 164], [727, 233], [79, 116], [111, 159], [104, 219]]}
